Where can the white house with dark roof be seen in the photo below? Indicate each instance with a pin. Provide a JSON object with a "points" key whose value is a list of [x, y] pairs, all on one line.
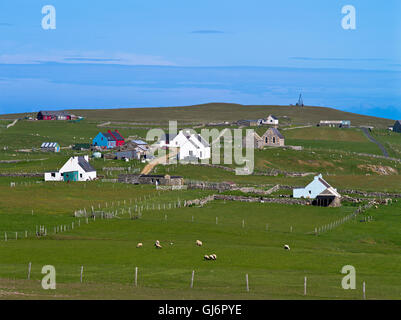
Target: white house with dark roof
{"points": [[76, 168], [318, 187], [271, 120], [191, 145]]}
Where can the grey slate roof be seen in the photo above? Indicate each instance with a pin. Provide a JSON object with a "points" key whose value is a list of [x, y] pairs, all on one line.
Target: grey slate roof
{"points": [[85, 164], [278, 133]]}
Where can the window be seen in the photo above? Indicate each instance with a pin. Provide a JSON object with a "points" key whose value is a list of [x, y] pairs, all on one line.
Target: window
{"points": [[80, 175], [53, 174], [274, 139], [266, 139]]}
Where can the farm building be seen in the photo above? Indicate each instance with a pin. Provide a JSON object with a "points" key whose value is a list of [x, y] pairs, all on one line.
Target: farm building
{"points": [[248, 123], [191, 145], [108, 140], [397, 126], [54, 115], [50, 147], [270, 120], [158, 180], [127, 154], [134, 149], [75, 169], [319, 190], [335, 123]]}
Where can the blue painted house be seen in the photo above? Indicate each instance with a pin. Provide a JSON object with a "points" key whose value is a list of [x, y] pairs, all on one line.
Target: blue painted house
{"points": [[108, 139]]}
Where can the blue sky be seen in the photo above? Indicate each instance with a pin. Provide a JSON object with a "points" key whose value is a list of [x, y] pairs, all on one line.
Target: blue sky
{"points": [[176, 52]]}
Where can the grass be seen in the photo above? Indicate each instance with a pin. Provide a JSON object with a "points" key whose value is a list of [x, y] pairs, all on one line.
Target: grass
{"points": [[107, 250], [321, 138]]}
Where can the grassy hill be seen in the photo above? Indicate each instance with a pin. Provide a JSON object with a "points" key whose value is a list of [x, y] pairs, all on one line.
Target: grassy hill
{"points": [[244, 245], [213, 112]]}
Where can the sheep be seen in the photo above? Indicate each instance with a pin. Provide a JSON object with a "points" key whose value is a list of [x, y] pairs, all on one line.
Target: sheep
{"points": [[139, 245], [199, 243], [213, 256], [206, 257], [158, 245], [286, 247]]}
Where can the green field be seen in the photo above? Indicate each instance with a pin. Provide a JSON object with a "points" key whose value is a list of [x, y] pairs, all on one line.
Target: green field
{"points": [[106, 249], [248, 238]]}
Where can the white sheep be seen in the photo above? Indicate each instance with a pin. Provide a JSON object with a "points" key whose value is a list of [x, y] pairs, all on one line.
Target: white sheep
{"points": [[206, 257], [158, 245], [213, 256], [199, 243], [286, 247], [139, 245]]}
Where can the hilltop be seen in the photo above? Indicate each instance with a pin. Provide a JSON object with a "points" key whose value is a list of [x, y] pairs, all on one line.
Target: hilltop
{"points": [[214, 112]]}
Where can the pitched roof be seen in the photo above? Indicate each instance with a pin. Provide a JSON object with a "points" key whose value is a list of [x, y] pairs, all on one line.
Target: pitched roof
{"points": [[108, 136], [118, 136], [324, 182], [85, 164], [273, 117], [275, 132], [329, 192]]}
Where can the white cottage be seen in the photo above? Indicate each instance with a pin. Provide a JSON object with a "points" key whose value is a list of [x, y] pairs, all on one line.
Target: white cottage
{"points": [[75, 169], [318, 187], [191, 145], [272, 120]]}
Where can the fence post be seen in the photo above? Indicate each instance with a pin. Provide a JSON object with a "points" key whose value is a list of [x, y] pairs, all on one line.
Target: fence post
{"points": [[29, 270], [305, 280], [192, 279], [364, 291], [82, 272], [136, 276], [247, 282]]}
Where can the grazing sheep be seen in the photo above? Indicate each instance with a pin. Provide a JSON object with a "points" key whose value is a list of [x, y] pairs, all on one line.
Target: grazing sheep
{"points": [[206, 257], [286, 247], [158, 245], [213, 257], [139, 245], [199, 243]]}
